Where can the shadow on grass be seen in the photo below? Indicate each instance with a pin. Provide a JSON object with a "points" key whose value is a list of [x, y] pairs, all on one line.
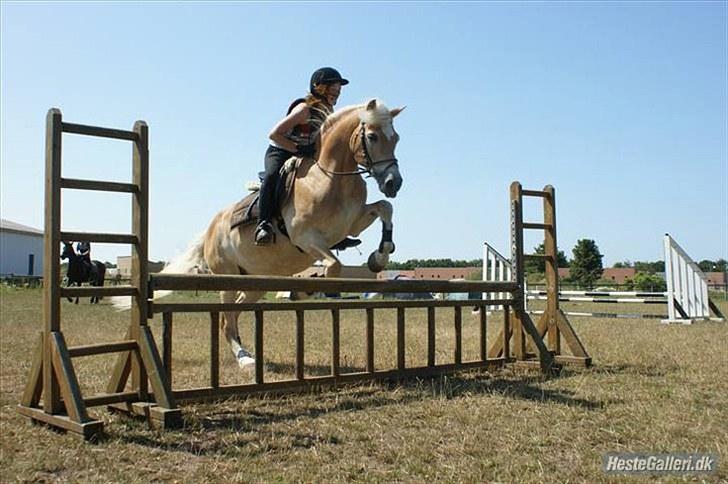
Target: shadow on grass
{"points": [[309, 370], [635, 370], [225, 427]]}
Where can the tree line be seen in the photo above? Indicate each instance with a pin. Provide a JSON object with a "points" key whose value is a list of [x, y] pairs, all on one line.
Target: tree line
{"points": [[585, 267]]}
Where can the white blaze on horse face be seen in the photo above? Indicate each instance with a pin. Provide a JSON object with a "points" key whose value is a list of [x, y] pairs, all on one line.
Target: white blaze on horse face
{"points": [[381, 140]]}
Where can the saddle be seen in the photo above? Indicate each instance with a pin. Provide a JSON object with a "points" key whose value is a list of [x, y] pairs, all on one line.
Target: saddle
{"points": [[246, 211]]}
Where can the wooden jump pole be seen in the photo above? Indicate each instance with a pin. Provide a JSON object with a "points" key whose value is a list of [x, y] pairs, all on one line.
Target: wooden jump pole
{"points": [[553, 322], [53, 378]]}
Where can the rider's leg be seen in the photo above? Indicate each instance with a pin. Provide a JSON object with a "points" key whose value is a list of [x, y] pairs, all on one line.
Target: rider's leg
{"points": [[274, 159]]}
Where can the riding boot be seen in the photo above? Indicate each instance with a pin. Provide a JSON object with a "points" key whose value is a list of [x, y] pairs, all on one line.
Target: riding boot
{"points": [[264, 234]]}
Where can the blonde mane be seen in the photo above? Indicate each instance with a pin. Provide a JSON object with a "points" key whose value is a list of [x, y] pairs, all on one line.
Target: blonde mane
{"points": [[334, 118], [380, 116]]}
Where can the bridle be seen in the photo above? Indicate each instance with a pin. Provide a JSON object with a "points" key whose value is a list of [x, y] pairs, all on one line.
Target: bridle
{"points": [[369, 164]]}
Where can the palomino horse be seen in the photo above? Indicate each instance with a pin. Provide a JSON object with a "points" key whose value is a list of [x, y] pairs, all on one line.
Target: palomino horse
{"points": [[327, 203]]}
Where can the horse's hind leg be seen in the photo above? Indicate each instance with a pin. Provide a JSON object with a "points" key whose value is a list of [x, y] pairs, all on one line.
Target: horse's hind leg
{"points": [[229, 324]]}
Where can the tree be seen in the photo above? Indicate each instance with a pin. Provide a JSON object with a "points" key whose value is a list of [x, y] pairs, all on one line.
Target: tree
{"points": [[532, 266], [586, 265], [650, 267], [413, 263], [623, 265], [646, 282], [707, 265]]}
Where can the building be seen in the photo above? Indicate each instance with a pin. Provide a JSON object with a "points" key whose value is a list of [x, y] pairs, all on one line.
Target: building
{"points": [[21, 249], [123, 265], [716, 279], [393, 274], [347, 272], [432, 273], [616, 275], [445, 273]]}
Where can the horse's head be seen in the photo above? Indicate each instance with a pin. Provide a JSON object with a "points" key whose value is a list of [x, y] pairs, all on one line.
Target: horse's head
{"points": [[377, 140], [67, 251]]}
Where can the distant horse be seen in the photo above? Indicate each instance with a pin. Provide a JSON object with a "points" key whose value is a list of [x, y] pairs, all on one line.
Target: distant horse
{"points": [[80, 271], [327, 202]]}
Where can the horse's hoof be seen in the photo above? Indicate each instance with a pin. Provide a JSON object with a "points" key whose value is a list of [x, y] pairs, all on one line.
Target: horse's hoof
{"points": [[373, 264], [246, 363], [245, 360]]}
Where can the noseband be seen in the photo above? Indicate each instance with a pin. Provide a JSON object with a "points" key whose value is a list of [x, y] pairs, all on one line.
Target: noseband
{"points": [[368, 162]]}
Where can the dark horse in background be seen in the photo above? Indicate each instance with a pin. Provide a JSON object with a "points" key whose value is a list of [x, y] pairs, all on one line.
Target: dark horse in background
{"points": [[81, 270]]}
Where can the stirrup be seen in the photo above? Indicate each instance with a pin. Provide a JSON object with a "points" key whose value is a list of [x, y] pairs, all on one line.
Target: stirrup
{"points": [[347, 243]]}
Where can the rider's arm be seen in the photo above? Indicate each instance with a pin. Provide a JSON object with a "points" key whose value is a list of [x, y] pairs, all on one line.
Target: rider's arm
{"points": [[299, 115]]}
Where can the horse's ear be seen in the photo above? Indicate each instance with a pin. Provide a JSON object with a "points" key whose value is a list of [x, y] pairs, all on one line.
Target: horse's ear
{"points": [[372, 105], [394, 112]]}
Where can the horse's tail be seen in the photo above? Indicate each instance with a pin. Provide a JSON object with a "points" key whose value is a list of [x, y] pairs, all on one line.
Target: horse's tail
{"points": [[191, 261]]}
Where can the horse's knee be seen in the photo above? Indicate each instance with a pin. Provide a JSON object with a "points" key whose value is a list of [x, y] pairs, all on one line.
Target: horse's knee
{"points": [[333, 269]]}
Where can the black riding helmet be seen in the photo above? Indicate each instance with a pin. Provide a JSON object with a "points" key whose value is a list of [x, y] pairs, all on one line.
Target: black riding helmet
{"points": [[326, 75]]}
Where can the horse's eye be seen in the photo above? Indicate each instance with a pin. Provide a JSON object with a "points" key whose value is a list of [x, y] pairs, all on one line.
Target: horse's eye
{"points": [[371, 137]]}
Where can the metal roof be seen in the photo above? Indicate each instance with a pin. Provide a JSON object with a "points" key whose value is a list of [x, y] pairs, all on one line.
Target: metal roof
{"points": [[16, 227]]}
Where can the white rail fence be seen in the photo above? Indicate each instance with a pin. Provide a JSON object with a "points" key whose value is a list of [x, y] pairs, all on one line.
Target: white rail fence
{"points": [[686, 297], [495, 268]]}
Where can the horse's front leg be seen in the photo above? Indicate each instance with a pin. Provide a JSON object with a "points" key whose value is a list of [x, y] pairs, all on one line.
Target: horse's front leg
{"points": [[383, 210], [315, 245], [69, 284]]}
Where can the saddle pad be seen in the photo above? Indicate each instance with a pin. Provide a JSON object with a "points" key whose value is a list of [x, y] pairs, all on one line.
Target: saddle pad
{"points": [[246, 211]]}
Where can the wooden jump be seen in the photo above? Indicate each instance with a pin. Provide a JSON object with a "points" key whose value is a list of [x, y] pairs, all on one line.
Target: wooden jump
{"points": [[52, 394]]}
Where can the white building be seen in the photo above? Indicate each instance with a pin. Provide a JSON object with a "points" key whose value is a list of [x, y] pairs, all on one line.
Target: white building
{"points": [[21, 250]]}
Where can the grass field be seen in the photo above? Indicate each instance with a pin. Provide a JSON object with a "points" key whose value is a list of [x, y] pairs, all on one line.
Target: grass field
{"points": [[653, 388]]}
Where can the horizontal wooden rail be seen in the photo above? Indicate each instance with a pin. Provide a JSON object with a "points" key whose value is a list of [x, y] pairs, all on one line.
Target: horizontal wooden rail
{"points": [[99, 131], [532, 225], [102, 348], [536, 256], [534, 193], [110, 398], [224, 391], [198, 282], [101, 186], [157, 308], [88, 291], [100, 238]]}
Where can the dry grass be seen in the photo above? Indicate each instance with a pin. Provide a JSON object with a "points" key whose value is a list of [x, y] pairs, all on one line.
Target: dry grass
{"points": [[654, 388]]}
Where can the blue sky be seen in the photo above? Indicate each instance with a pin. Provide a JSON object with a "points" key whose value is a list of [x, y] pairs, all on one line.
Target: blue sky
{"points": [[620, 105]]}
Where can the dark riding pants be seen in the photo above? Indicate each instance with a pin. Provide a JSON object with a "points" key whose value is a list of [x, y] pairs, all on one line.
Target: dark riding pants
{"points": [[274, 160]]}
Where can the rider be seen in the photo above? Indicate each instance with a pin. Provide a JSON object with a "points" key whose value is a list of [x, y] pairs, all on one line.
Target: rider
{"points": [[83, 249], [297, 135]]}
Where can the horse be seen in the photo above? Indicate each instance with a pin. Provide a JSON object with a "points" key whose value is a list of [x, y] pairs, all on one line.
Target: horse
{"points": [[327, 203], [80, 271]]}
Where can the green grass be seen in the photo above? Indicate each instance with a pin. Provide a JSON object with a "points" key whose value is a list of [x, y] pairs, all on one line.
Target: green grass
{"points": [[653, 388]]}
